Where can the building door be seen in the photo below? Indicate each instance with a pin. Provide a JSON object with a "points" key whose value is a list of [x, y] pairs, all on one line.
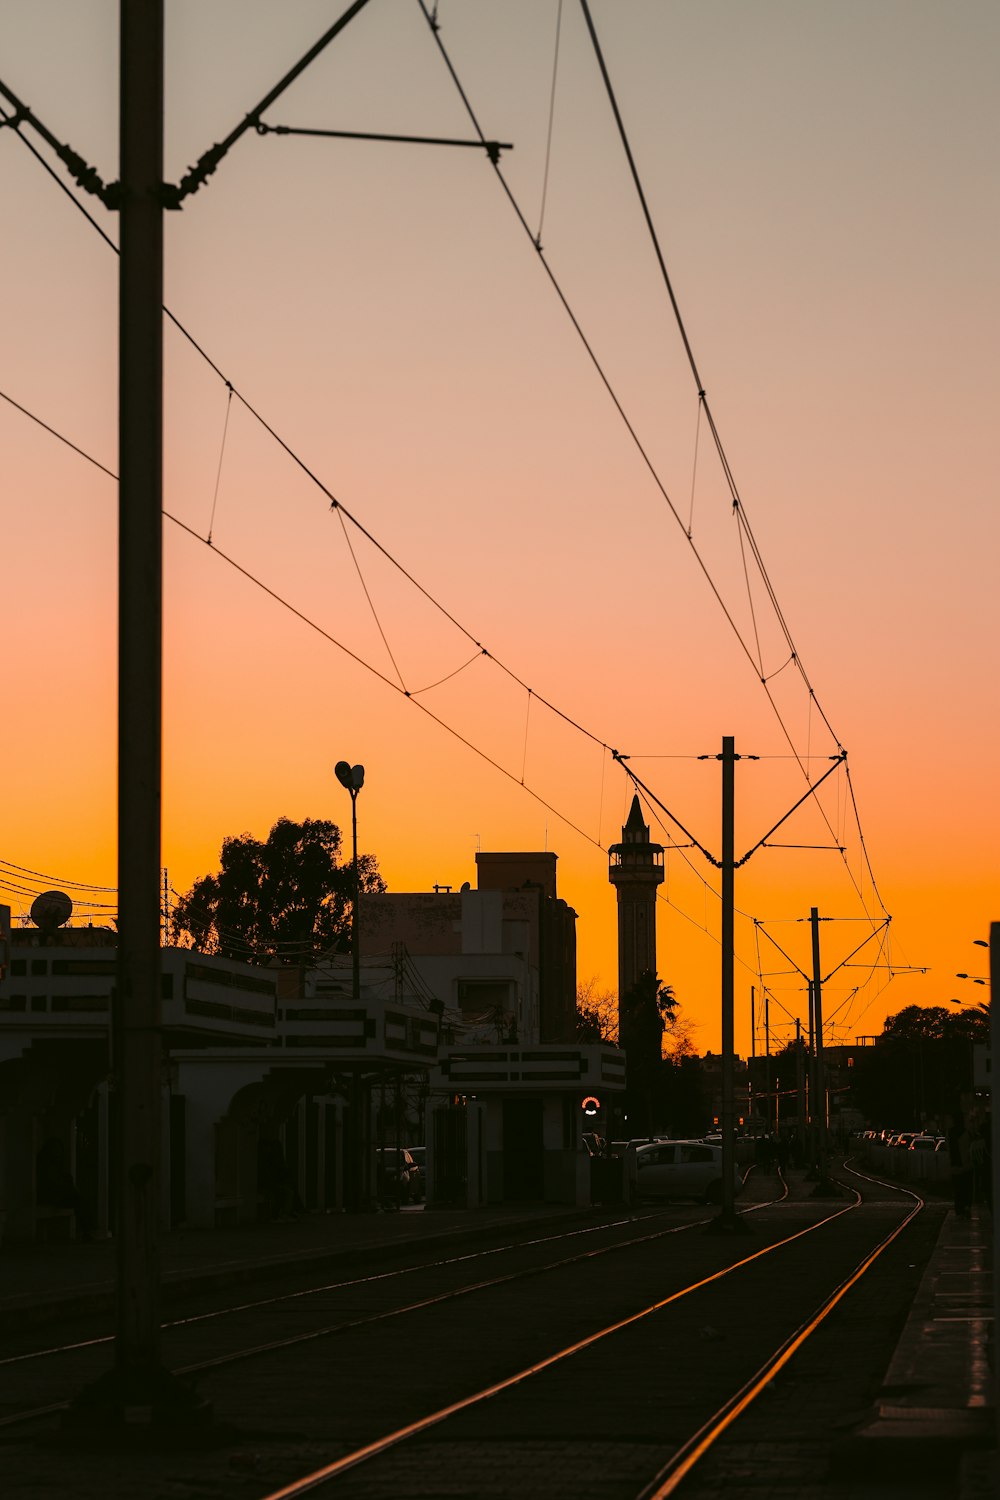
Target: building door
{"points": [[523, 1167]]}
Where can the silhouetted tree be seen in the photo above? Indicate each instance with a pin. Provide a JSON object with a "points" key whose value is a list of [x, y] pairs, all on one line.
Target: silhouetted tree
{"points": [[646, 1011], [920, 1065], [596, 1013], [684, 1103], [288, 897], [935, 1023]]}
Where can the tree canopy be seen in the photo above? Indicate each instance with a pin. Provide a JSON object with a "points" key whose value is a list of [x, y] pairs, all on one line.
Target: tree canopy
{"points": [[596, 1012], [921, 1064], [936, 1023], [287, 897]]}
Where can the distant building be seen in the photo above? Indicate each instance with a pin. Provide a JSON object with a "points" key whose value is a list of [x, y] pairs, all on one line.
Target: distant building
{"points": [[512, 1090], [250, 1052], [501, 958]]}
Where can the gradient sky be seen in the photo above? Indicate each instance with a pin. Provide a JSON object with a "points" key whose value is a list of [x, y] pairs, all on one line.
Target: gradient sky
{"points": [[822, 179]]}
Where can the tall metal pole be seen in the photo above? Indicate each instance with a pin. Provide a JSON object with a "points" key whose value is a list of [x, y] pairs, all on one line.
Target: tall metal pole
{"points": [[137, 1039], [753, 1048], [355, 930], [753, 1023], [810, 1072], [767, 1056], [352, 778], [728, 758], [138, 1393], [800, 1085], [820, 1104]]}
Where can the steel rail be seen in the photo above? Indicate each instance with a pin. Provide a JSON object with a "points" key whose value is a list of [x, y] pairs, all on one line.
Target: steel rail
{"points": [[422, 1425], [14, 1419], [356, 1281], [672, 1475]]}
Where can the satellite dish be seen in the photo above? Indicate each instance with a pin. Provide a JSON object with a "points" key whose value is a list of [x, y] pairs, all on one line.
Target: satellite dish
{"points": [[50, 910]]}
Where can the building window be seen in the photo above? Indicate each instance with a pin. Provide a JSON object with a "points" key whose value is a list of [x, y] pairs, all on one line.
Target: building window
{"points": [[18, 966], [39, 1002], [39, 966]]}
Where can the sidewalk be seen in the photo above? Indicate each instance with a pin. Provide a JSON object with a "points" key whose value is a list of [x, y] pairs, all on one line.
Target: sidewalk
{"points": [[44, 1282], [936, 1409]]}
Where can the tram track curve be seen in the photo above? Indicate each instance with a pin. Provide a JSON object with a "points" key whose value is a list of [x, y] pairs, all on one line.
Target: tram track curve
{"points": [[288, 1442], [380, 1279]]}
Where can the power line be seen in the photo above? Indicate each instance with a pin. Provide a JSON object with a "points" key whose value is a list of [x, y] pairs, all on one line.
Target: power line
{"points": [[6, 864], [730, 479], [335, 503]]}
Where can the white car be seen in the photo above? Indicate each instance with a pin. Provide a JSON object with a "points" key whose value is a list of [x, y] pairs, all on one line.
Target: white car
{"points": [[679, 1169]]}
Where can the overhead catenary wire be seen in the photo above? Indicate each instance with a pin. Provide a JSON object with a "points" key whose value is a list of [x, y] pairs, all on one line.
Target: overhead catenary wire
{"points": [[388, 682], [745, 529], [730, 479], [267, 427], [552, 115], [338, 505], [222, 453], [635, 780], [57, 880], [335, 503]]}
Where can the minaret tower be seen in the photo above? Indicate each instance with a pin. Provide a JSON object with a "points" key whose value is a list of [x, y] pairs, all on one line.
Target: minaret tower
{"points": [[635, 870]]}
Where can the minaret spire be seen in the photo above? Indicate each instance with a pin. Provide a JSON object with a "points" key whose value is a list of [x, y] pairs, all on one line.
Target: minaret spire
{"points": [[635, 869]]}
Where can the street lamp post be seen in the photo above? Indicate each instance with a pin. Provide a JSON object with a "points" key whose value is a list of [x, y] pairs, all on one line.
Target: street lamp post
{"points": [[353, 778]]}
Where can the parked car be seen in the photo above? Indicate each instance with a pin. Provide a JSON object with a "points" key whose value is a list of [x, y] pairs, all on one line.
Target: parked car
{"points": [[923, 1143], [620, 1148], [397, 1176], [679, 1169]]}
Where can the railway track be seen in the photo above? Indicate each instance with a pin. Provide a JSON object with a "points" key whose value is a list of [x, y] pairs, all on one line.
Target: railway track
{"points": [[631, 1346], [230, 1331]]}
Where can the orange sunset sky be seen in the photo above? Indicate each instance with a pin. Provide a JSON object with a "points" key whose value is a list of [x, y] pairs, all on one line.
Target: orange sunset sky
{"points": [[822, 180]]}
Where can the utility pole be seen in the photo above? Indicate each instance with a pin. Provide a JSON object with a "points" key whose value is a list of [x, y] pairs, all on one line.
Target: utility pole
{"points": [[138, 1393], [727, 1219], [753, 1047], [800, 1085], [137, 1038], [727, 865], [767, 1055], [810, 1076], [820, 1105]]}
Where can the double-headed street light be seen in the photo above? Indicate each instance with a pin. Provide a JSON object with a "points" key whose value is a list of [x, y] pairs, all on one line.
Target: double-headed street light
{"points": [[353, 778]]}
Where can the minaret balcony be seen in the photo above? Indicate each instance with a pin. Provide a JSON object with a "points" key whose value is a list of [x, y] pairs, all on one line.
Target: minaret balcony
{"points": [[627, 862]]}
